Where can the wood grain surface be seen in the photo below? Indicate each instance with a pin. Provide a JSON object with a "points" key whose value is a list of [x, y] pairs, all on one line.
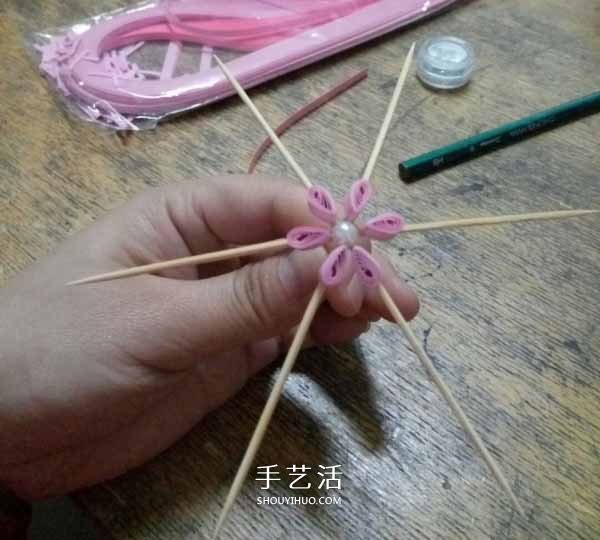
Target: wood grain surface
{"points": [[510, 315]]}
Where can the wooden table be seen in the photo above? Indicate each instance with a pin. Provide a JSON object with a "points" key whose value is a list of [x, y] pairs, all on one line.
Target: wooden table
{"points": [[509, 314]]}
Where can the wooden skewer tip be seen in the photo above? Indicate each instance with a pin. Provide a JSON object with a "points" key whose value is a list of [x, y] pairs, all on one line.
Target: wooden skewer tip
{"points": [[387, 119], [450, 399], [497, 220], [204, 258], [261, 119], [267, 414]]}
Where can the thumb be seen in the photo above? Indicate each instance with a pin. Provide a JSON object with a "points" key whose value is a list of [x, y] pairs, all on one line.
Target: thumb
{"points": [[257, 301]]}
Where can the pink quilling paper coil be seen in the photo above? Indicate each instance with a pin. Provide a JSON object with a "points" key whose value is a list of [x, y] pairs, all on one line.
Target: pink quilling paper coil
{"points": [[384, 227], [338, 267], [358, 198], [368, 268], [343, 237], [322, 205], [92, 63], [308, 237]]}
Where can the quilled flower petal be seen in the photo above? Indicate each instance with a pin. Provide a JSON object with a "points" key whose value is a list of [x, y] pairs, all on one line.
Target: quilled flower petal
{"points": [[384, 227], [308, 237], [369, 270], [338, 267], [322, 205], [358, 198]]}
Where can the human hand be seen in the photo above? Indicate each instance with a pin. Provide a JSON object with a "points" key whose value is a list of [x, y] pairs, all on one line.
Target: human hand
{"points": [[97, 379]]}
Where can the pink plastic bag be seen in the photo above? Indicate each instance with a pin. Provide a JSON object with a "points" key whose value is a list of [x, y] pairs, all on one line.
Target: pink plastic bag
{"points": [[131, 68]]}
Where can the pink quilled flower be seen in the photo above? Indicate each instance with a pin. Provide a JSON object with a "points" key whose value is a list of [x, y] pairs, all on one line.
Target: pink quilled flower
{"points": [[343, 235]]}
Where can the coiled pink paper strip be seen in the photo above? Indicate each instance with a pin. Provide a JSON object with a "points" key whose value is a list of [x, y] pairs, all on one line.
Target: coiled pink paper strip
{"points": [[346, 256]]}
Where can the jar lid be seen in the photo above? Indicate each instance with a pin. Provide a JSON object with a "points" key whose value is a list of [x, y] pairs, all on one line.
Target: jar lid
{"points": [[445, 62]]}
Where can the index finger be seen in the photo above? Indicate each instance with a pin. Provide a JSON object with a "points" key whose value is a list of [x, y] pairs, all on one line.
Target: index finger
{"points": [[241, 209]]}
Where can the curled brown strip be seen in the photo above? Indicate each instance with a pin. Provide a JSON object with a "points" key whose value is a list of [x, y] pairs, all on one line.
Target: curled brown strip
{"points": [[305, 111]]}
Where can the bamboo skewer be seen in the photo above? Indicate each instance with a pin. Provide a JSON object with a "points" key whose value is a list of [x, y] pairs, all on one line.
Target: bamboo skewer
{"points": [[387, 120], [204, 258], [269, 409], [276, 140], [496, 220], [281, 243], [447, 394]]}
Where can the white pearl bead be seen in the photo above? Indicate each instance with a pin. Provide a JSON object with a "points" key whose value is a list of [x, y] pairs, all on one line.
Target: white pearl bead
{"points": [[346, 233]]}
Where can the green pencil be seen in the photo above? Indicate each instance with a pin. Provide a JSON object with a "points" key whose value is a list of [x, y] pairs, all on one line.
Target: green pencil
{"points": [[425, 164]]}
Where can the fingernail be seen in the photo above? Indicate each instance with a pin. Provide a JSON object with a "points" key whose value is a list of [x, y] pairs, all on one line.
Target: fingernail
{"points": [[297, 273]]}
